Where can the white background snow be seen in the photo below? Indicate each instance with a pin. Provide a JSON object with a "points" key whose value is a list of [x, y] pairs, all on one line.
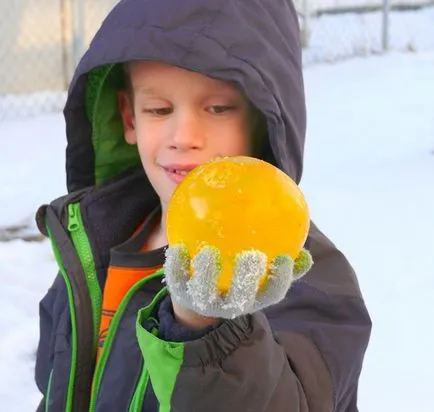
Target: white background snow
{"points": [[369, 180]]}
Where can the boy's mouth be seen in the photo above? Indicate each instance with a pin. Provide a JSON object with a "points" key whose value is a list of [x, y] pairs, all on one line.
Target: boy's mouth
{"points": [[177, 172]]}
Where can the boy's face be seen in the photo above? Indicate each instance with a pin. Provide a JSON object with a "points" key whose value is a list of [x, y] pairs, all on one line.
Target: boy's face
{"points": [[180, 119]]}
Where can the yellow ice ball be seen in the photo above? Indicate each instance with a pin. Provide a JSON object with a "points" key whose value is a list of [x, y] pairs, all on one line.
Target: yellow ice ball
{"points": [[237, 204]]}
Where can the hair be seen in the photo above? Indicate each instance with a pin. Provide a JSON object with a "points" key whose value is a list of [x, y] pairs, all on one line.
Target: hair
{"points": [[126, 84]]}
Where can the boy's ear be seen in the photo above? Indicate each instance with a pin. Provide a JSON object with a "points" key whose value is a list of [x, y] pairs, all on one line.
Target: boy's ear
{"points": [[126, 111]]}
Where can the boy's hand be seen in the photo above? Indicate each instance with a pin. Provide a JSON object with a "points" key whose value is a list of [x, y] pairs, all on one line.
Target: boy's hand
{"points": [[249, 291]]}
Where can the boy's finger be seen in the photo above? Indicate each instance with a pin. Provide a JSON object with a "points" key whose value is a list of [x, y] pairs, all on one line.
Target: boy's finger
{"points": [[176, 270], [177, 264], [303, 263], [278, 282], [249, 267], [202, 286]]}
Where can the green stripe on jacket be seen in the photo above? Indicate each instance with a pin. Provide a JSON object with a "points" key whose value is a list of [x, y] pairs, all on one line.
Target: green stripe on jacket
{"points": [[163, 360]]}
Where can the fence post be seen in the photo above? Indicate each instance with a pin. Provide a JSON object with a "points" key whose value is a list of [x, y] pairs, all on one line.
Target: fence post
{"points": [[385, 28], [78, 17], [305, 31]]}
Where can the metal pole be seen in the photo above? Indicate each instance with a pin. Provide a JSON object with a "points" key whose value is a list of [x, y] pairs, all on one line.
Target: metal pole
{"points": [[66, 47], [385, 28], [305, 34], [78, 14]]}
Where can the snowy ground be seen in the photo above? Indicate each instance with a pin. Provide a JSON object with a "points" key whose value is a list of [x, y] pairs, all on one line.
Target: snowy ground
{"points": [[369, 181]]}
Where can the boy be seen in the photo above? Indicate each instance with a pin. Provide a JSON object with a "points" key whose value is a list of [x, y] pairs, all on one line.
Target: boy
{"points": [[167, 85]]}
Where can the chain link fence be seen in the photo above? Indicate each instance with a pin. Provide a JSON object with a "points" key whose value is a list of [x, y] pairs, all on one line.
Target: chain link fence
{"points": [[333, 30], [31, 56], [42, 40]]}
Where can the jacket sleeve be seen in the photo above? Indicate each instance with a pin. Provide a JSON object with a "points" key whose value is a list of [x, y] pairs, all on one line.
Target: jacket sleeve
{"points": [[304, 354], [44, 353], [170, 329]]}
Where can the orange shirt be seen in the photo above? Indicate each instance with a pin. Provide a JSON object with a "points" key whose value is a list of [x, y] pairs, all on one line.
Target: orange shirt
{"points": [[130, 262]]}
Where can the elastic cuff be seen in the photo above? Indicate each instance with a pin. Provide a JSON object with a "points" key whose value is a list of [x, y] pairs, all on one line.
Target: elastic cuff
{"points": [[225, 339]]}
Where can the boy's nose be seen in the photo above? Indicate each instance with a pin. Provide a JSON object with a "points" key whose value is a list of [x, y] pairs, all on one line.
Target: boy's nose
{"points": [[187, 133]]}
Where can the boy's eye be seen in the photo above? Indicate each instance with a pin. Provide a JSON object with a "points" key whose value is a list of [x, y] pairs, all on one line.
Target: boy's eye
{"points": [[220, 109], [158, 111]]}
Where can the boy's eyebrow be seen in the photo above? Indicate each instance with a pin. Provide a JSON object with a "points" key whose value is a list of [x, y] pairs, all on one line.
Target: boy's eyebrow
{"points": [[146, 90]]}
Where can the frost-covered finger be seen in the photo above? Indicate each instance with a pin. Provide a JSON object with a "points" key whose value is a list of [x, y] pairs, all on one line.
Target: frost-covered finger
{"points": [[279, 280], [303, 263], [249, 268], [202, 286], [176, 271]]}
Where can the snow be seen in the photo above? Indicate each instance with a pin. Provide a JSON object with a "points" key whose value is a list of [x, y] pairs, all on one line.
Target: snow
{"points": [[27, 270], [368, 179], [370, 161], [35, 157]]}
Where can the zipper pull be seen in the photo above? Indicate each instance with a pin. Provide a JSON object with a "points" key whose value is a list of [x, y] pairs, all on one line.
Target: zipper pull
{"points": [[73, 221]]}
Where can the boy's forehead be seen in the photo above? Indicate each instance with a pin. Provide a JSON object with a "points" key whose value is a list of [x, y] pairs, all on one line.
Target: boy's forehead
{"points": [[149, 76]]}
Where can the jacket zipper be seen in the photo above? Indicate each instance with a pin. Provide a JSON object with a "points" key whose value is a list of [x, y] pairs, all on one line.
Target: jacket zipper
{"points": [[84, 251], [82, 355], [69, 288], [114, 324]]}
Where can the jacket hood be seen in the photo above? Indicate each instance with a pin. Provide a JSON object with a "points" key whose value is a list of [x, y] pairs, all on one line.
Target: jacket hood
{"points": [[254, 44]]}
